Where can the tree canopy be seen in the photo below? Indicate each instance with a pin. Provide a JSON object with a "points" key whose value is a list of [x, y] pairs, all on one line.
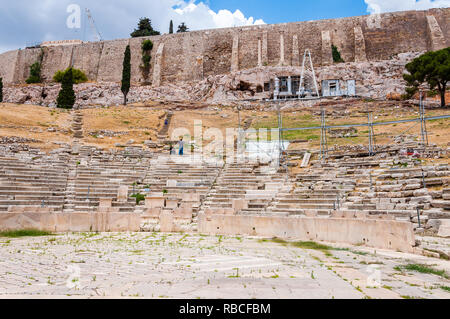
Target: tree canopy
{"points": [[171, 27], [182, 28], [144, 29], [433, 68]]}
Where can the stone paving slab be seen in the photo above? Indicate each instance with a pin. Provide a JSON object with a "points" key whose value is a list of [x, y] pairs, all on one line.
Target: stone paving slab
{"points": [[156, 265]]}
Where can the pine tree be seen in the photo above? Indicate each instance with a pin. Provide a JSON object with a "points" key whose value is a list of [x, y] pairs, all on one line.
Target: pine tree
{"points": [[171, 27], [1, 90], [126, 74], [144, 29], [182, 28], [66, 97]]}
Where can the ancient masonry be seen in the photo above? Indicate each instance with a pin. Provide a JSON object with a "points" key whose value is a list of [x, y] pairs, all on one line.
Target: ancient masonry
{"points": [[196, 55]]}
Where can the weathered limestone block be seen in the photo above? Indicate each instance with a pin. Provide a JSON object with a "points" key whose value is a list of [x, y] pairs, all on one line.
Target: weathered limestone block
{"points": [[436, 35], [154, 202], [282, 51], [172, 203], [190, 197], [295, 53], [421, 200], [184, 213], [171, 183], [441, 204], [360, 45], [412, 186], [239, 204], [157, 68], [265, 54], [154, 212], [260, 53], [387, 234], [235, 54], [112, 53], [122, 194], [327, 56], [421, 192], [166, 221], [444, 229]]}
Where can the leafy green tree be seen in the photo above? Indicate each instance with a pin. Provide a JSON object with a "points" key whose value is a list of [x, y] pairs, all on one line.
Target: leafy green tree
{"points": [[66, 97], [1, 90], [144, 29], [78, 76], [182, 28], [336, 54], [433, 68], [126, 74], [171, 27], [35, 73]]}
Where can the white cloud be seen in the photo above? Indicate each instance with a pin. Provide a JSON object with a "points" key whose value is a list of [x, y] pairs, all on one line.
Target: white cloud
{"points": [[30, 21], [380, 6], [200, 16]]}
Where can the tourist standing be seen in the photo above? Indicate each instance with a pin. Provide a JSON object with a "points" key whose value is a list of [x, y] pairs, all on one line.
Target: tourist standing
{"points": [[181, 146]]}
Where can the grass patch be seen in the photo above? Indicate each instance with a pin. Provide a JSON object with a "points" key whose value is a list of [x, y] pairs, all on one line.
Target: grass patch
{"points": [[24, 233], [445, 288], [311, 245], [424, 269]]}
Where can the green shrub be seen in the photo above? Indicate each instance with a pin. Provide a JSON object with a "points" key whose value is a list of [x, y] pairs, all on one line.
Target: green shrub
{"points": [[35, 73], [146, 60], [78, 76], [147, 45], [336, 54], [139, 198]]}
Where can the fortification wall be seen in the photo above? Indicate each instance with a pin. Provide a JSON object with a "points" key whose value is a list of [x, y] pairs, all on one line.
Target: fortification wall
{"points": [[199, 54]]}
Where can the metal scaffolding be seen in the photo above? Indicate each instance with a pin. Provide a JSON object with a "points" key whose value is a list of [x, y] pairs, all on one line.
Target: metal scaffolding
{"points": [[323, 137], [371, 134], [302, 89], [423, 124]]}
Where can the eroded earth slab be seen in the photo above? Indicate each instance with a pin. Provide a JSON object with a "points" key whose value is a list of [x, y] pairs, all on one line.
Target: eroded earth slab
{"points": [[156, 265]]}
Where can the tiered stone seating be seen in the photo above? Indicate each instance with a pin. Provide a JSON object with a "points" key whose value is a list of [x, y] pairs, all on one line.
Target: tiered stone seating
{"points": [[26, 182], [321, 191], [181, 178], [97, 175], [256, 184]]}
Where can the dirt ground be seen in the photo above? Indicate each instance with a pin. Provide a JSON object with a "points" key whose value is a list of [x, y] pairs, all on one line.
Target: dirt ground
{"points": [[143, 122]]}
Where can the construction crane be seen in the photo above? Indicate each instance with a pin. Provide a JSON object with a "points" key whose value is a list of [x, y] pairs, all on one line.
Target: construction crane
{"points": [[94, 29]]}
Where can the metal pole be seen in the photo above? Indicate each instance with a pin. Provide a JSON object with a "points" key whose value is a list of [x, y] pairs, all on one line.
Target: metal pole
{"points": [[423, 180], [323, 137], [418, 216]]}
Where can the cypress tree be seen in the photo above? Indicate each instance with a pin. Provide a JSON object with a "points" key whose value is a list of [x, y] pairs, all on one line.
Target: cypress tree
{"points": [[66, 97], [126, 74], [1, 90], [171, 27]]}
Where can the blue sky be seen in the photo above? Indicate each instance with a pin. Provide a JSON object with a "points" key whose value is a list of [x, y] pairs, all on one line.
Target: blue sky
{"points": [[293, 10], [30, 21]]}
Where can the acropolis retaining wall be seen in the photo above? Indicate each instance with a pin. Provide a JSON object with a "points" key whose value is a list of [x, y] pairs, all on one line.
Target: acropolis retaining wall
{"points": [[195, 55]]}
